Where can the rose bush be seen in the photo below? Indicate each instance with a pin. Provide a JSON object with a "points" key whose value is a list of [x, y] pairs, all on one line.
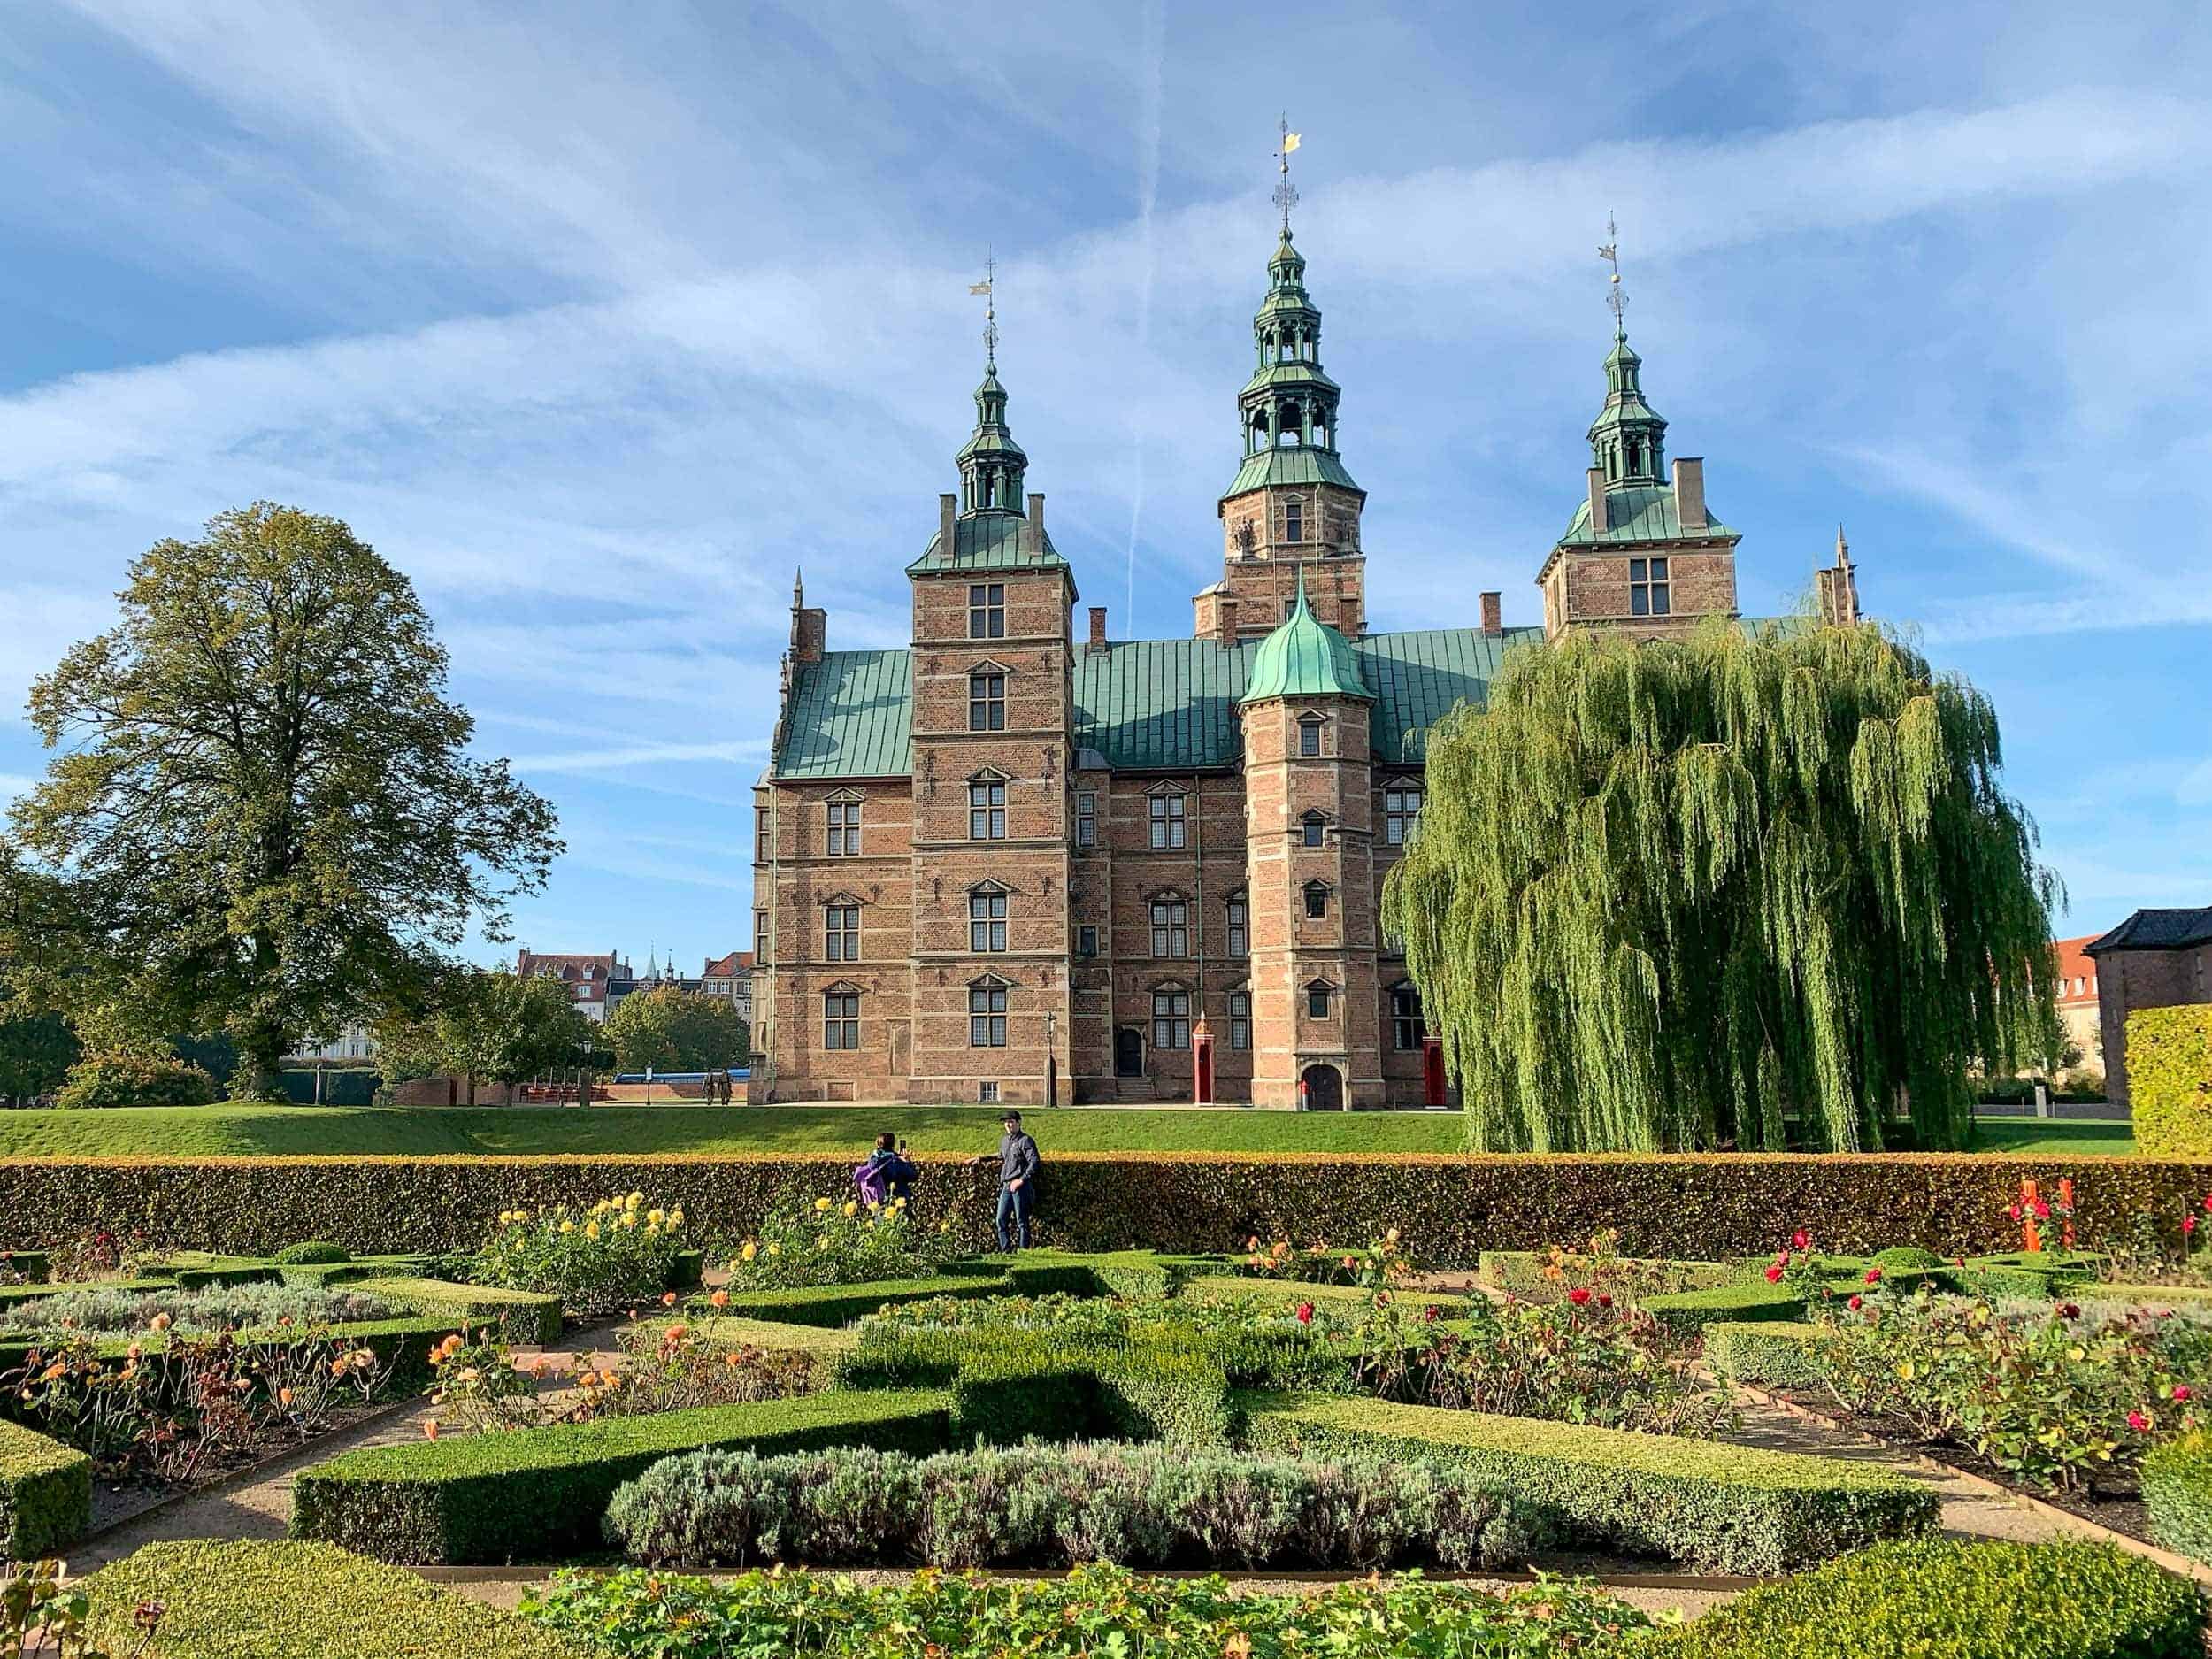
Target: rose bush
{"points": [[807, 1241], [616, 1255]]}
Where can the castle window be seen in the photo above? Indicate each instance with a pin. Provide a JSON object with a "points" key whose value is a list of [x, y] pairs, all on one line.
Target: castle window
{"points": [[987, 1015], [1312, 829], [844, 829], [1649, 594], [1294, 521], [1407, 1025], [1240, 1020], [987, 610], [1401, 812], [760, 932], [840, 1019], [1309, 735], [760, 833], [841, 932], [1170, 928], [1086, 941], [1316, 900], [1169, 814], [987, 810], [1239, 925], [1086, 820], [1171, 1019], [987, 702], [1317, 1002], [986, 920]]}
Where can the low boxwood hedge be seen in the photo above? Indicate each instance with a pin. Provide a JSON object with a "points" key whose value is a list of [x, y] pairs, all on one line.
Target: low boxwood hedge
{"points": [[1921, 1598], [11, 1296], [533, 1494], [45, 1494], [527, 1317], [2176, 1481], [841, 1304], [1522, 1273], [268, 1599], [1731, 1508], [1770, 1354], [1688, 1310], [33, 1265]]}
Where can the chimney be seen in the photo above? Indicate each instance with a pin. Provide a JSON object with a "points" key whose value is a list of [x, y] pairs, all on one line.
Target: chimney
{"points": [[1597, 500], [1493, 613], [1226, 621], [1689, 491], [1033, 529], [809, 635], [948, 509], [1098, 629]]}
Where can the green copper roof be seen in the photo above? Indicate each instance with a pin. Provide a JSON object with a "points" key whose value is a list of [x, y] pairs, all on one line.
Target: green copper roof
{"points": [[1305, 657], [1290, 466], [1293, 374], [1159, 705], [1640, 512], [988, 542], [852, 716]]}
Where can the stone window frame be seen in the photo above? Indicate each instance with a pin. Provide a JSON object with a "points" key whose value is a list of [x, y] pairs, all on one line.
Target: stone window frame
{"points": [[841, 813], [1311, 724], [1172, 929], [990, 813], [1321, 992], [1650, 586], [986, 1017], [1241, 1018], [987, 610], [1173, 1002], [841, 943], [1317, 900], [1400, 822], [1313, 829], [1167, 818], [992, 925], [987, 684], [1402, 1024], [841, 1016], [1236, 910]]}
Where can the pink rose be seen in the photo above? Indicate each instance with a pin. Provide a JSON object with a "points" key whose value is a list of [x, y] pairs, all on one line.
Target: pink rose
{"points": [[1305, 1313], [1873, 1275], [2141, 1424], [2181, 1391], [1852, 1304], [1774, 1275]]}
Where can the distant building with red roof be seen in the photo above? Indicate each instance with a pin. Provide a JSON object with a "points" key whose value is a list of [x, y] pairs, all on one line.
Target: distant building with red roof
{"points": [[731, 976], [596, 983], [2078, 1001]]}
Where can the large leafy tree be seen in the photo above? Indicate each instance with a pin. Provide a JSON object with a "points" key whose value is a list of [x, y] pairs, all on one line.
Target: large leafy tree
{"points": [[671, 1029], [264, 819], [499, 1026], [37, 1051], [1675, 895]]}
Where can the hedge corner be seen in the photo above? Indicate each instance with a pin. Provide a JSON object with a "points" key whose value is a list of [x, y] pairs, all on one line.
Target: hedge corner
{"points": [[45, 1494], [2169, 1080]]}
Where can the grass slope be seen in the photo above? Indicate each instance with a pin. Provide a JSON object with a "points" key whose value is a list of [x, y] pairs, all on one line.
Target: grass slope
{"points": [[2054, 1136], [338, 1131]]}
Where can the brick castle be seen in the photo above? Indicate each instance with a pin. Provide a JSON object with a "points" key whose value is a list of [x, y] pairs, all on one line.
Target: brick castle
{"points": [[1007, 861]]}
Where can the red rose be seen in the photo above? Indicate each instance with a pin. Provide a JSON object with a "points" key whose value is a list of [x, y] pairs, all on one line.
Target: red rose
{"points": [[2138, 1423], [2188, 1224], [1305, 1313], [1428, 1315], [2207, 1205], [1774, 1275], [1852, 1304], [1800, 1238], [1578, 1295], [2042, 1210], [1873, 1275], [2014, 1212], [2181, 1391], [1604, 1301]]}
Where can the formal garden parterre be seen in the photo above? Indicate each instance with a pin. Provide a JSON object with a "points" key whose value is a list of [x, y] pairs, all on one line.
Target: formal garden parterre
{"points": [[800, 1384]]}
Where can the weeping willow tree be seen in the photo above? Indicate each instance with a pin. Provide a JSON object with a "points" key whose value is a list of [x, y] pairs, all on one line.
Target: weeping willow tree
{"points": [[1678, 895]]}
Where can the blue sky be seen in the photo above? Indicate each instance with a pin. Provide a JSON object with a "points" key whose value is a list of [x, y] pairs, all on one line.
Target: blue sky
{"points": [[599, 320]]}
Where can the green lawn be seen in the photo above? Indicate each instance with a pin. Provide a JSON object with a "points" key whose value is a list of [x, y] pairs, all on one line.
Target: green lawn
{"points": [[240, 1130], [2053, 1135], [246, 1130]]}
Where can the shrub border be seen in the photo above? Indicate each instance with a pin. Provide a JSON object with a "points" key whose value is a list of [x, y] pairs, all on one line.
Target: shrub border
{"points": [[45, 1493]]}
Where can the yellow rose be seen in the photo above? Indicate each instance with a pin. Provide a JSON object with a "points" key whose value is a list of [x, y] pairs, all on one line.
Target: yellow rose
{"points": [[634, 1200], [775, 1249], [821, 1204], [852, 1208], [748, 1251], [591, 1229], [629, 1217], [569, 1226], [675, 1219], [821, 1243]]}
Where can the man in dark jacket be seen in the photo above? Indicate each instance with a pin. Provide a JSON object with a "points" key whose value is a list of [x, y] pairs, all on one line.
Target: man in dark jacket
{"points": [[888, 1174], [1017, 1183]]}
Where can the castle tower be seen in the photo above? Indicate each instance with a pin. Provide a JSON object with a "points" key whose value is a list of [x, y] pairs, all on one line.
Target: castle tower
{"points": [[1310, 865], [1292, 510], [992, 694], [1642, 551]]}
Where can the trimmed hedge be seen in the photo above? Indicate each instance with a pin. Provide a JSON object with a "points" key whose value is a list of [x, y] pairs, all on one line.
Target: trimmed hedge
{"points": [[524, 1495], [528, 1317], [1770, 1354], [2169, 1080], [841, 1304], [1279, 1291], [45, 1494], [31, 1263], [1731, 1508], [2177, 1479], [1449, 1208], [1688, 1310], [1522, 1272], [273, 1600], [1964, 1601], [13, 1295]]}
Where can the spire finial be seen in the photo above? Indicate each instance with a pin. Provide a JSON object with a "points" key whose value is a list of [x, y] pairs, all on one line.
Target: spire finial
{"points": [[1615, 300], [798, 585], [1843, 549], [988, 289], [1299, 603], [1286, 192]]}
